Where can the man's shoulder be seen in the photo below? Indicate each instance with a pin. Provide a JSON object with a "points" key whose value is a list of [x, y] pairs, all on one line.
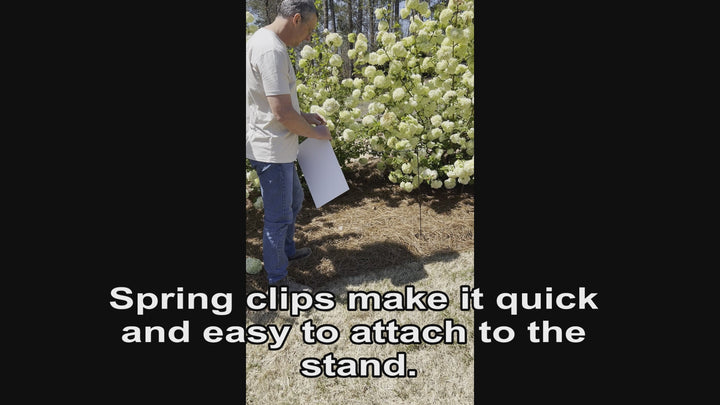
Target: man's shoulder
{"points": [[263, 51], [264, 39], [259, 33]]}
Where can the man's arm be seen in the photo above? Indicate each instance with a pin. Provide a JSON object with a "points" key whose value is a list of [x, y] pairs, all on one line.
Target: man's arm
{"points": [[313, 118], [282, 109]]}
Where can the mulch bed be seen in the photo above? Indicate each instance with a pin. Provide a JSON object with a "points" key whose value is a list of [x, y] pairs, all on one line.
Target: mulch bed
{"points": [[372, 226]]}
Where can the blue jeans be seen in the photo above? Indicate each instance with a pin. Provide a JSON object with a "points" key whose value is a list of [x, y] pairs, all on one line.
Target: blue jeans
{"points": [[282, 197]]}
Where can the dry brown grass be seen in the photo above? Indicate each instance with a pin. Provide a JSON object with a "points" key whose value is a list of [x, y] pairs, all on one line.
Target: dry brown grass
{"points": [[445, 372], [374, 225], [369, 239]]}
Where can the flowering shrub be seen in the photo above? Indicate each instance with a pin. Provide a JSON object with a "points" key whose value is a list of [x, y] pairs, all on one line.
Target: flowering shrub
{"points": [[252, 182], [409, 103], [250, 28]]}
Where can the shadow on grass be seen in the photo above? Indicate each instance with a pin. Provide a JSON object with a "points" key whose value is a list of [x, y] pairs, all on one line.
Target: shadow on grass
{"points": [[345, 269]]}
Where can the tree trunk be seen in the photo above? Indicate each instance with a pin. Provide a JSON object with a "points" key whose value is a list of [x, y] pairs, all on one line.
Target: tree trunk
{"points": [[396, 15], [360, 16], [371, 26], [325, 10], [332, 11], [350, 16]]}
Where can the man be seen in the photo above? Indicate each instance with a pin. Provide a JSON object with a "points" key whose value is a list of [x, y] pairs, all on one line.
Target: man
{"points": [[274, 122]]}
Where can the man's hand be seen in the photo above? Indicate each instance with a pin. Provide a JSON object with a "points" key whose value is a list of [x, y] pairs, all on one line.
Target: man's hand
{"points": [[313, 119], [321, 132]]}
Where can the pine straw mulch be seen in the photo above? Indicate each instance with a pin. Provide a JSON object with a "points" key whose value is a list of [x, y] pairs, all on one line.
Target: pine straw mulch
{"points": [[372, 226]]}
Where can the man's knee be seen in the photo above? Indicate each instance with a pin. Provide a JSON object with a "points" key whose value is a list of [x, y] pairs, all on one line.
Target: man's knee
{"points": [[279, 217]]}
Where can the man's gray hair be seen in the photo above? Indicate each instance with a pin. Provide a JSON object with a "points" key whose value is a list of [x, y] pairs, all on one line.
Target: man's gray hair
{"points": [[288, 8]]}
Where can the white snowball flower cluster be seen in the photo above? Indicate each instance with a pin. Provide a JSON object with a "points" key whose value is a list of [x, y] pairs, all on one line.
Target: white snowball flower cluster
{"points": [[336, 61], [308, 52], [334, 39], [388, 119], [252, 179], [378, 58], [398, 50], [369, 120], [250, 27], [436, 120], [401, 145], [360, 48], [386, 38], [376, 108], [407, 186], [427, 173], [258, 204], [395, 68], [330, 106], [457, 139], [319, 110], [348, 135], [252, 265], [460, 171], [380, 81], [445, 16], [345, 117], [421, 7], [447, 126]]}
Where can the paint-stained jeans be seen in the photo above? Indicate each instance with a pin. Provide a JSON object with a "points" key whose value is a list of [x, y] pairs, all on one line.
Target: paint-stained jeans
{"points": [[282, 197]]}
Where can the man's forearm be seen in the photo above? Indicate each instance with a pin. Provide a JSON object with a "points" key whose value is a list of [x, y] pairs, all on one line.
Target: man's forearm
{"points": [[284, 112], [297, 124]]}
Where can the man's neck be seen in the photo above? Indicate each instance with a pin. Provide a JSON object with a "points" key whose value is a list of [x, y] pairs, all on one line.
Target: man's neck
{"points": [[279, 28]]}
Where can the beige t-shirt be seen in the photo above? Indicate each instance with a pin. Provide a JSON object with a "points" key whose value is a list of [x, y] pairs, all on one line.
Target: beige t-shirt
{"points": [[269, 72]]}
